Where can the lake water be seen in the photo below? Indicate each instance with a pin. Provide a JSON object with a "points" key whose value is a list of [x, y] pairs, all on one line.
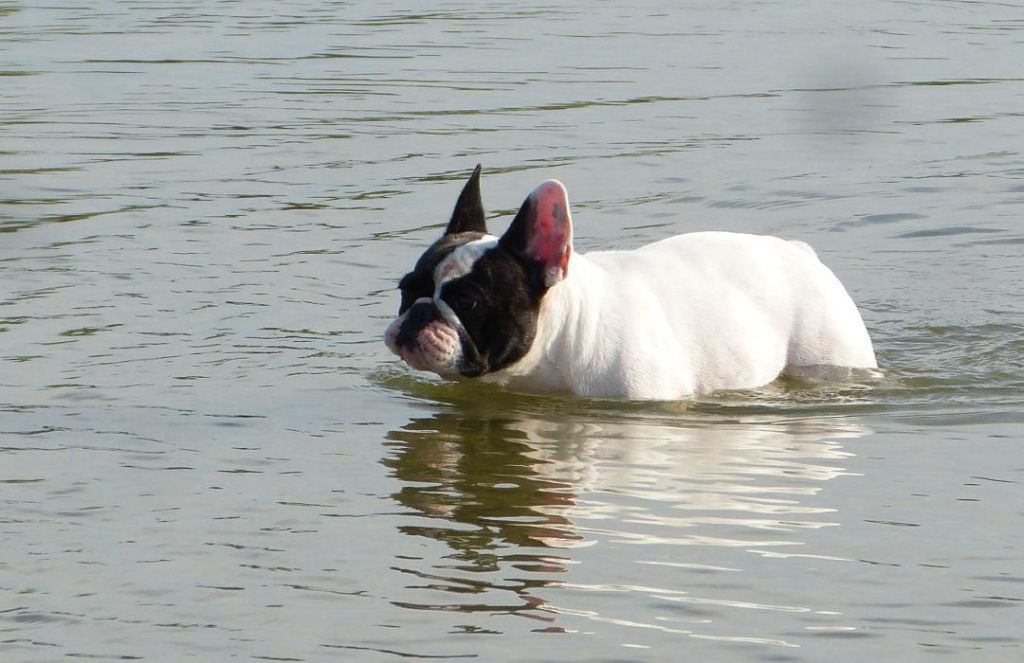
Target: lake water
{"points": [[208, 454]]}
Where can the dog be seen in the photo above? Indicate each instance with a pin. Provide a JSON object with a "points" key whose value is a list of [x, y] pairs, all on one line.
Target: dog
{"points": [[681, 317]]}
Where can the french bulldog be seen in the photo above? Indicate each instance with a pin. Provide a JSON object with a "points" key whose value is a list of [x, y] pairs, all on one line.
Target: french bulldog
{"points": [[682, 317]]}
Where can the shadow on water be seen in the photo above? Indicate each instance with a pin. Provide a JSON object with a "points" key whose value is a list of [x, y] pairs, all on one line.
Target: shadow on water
{"points": [[520, 489]]}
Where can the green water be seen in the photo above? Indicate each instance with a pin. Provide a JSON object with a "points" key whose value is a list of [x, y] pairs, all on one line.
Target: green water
{"points": [[206, 452]]}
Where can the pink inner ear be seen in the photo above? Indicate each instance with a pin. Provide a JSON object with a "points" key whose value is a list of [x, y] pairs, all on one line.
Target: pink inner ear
{"points": [[551, 239]]}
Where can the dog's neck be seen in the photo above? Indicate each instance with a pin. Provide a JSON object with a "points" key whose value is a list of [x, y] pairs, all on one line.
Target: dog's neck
{"points": [[570, 329]]}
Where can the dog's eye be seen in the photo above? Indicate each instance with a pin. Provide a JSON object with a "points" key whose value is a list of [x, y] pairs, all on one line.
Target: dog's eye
{"points": [[464, 303]]}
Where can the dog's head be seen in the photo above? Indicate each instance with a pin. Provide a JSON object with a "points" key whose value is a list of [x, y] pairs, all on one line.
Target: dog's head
{"points": [[470, 304]]}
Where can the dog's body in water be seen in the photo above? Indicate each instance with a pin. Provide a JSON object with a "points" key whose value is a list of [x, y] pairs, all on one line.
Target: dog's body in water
{"points": [[684, 316]]}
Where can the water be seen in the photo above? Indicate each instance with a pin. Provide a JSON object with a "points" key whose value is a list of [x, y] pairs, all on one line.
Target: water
{"points": [[209, 455]]}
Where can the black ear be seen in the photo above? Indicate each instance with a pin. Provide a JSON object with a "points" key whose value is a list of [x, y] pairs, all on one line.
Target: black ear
{"points": [[469, 210]]}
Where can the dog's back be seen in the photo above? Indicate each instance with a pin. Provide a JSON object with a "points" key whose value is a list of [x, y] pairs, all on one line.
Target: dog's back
{"points": [[715, 310]]}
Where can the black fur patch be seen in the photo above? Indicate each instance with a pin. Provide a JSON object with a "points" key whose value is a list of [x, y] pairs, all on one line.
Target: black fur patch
{"points": [[468, 215], [498, 307]]}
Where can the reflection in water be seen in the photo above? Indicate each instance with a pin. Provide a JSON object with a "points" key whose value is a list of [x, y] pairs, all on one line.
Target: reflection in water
{"points": [[203, 210], [487, 496], [483, 472], [523, 502]]}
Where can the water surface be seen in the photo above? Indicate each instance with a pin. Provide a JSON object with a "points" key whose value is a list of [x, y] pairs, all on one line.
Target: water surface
{"points": [[208, 454]]}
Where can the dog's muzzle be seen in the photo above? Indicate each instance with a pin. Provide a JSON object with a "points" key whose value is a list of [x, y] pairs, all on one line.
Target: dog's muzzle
{"points": [[417, 317], [423, 339]]}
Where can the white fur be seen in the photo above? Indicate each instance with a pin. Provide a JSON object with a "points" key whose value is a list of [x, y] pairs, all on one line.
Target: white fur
{"points": [[684, 316], [690, 315], [460, 261]]}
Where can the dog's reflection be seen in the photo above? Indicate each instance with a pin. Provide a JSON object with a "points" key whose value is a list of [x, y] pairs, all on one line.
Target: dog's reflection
{"points": [[514, 488], [484, 483]]}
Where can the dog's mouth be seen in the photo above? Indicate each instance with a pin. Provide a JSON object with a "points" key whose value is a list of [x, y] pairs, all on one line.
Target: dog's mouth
{"points": [[413, 358]]}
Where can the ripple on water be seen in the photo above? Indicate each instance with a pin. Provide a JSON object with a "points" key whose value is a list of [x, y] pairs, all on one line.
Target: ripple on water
{"points": [[505, 491], [201, 206]]}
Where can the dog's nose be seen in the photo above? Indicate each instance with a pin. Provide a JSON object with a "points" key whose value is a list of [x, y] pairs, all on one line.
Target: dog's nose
{"points": [[417, 317]]}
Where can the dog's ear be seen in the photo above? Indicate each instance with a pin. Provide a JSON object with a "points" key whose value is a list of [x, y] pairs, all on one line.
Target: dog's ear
{"points": [[469, 210], [541, 233]]}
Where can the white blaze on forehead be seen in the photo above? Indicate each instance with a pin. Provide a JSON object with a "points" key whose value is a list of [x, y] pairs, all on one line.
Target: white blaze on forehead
{"points": [[458, 263]]}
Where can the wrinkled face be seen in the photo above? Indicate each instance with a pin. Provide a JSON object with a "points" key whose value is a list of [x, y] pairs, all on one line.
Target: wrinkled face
{"points": [[468, 308]]}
